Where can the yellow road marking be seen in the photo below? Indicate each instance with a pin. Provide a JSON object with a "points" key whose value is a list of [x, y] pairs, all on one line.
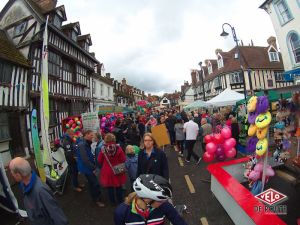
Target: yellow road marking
{"points": [[203, 221], [189, 184], [180, 161]]}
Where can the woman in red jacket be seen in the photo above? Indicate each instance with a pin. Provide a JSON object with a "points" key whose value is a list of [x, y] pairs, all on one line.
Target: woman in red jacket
{"points": [[111, 155]]}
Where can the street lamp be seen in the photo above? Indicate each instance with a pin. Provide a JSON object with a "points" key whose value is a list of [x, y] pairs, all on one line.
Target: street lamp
{"points": [[225, 34], [201, 74]]}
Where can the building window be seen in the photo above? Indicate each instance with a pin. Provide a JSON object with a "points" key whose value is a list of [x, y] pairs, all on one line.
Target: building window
{"points": [[220, 62], [270, 83], [20, 28], [236, 78], [57, 21], [209, 67], [273, 56], [295, 46], [108, 90], [94, 87], [5, 72], [4, 127], [73, 36], [278, 76], [217, 82], [284, 12], [165, 101], [54, 64], [101, 89]]}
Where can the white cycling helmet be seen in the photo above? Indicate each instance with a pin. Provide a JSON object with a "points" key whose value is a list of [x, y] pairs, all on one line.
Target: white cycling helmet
{"points": [[153, 187]]}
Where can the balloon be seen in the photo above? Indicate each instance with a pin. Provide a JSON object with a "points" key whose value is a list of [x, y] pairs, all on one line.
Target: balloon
{"points": [[269, 171], [71, 122], [230, 153], [219, 139], [208, 157], [220, 151], [258, 167], [67, 126], [103, 119], [208, 138], [227, 145], [254, 175], [211, 148], [74, 125], [78, 123], [232, 141], [221, 157], [76, 119], [251, 144], [226, 132]]}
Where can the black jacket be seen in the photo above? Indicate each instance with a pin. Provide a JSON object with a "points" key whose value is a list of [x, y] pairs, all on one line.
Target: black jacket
{"points": [[156, 164]]}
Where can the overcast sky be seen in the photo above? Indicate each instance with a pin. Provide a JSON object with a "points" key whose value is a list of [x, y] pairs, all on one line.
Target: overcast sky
{"points": [[155, 43]]}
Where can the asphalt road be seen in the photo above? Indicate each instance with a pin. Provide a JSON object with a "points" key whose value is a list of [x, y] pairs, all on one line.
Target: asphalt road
{"points": [[202, 206]]}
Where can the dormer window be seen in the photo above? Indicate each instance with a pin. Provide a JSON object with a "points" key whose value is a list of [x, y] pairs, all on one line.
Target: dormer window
{"points": [[220, 61], [57, 21], [73, 35], [273, 54], [209, 67]]}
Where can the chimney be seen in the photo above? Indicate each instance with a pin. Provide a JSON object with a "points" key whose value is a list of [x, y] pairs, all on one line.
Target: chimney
{"points": [[252, 43], [124, 81], [45, 5], [272, 41], [193, 75], [242, 43], [107, 75], [218, 50]]}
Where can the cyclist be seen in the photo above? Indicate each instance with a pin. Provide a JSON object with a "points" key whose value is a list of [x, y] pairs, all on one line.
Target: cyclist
{"points": [[149, 203]]}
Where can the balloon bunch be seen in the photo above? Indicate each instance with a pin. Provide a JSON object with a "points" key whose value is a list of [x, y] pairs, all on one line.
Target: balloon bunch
{"points": [[259, 118], [108, 122], [220, 146], [76, 126]]}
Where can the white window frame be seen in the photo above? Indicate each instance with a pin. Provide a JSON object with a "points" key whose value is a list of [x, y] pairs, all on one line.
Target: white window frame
{"points": [[220, 61], [294, 49], [283, 11], [236, 78], [209, 67]]}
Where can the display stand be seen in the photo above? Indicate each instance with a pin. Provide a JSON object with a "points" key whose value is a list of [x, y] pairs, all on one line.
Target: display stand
{"points": [[239, 203]]}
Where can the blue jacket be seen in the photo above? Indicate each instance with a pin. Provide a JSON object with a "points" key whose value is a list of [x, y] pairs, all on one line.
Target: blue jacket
{"points": [[125, 214], [40, 205], [131, 165], [85, 158], [157, 163]]}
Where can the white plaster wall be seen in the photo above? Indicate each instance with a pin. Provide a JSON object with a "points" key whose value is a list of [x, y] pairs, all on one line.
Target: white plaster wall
{"points": [[282, 31]]}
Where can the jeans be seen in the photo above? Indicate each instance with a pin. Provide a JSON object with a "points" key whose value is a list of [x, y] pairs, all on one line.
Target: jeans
{"points": [[190, 146], [73, 171], [119, 194], [94, 187], [172, 136]]}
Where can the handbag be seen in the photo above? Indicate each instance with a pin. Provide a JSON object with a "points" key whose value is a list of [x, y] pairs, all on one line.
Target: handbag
{"points": [[117, 169]]}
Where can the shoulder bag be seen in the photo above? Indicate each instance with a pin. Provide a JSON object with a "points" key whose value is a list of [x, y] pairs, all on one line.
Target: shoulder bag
{"points": [[117, 169]]}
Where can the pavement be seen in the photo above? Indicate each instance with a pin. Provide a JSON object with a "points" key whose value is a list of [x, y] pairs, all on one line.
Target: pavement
{"points": [[190, 184]]}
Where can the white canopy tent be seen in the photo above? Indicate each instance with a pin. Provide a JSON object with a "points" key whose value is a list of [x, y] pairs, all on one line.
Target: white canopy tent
{"points": [[225, 98]]}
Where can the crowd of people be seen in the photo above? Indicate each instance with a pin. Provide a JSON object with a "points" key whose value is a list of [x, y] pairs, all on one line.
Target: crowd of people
{"points": [[129, 151]]}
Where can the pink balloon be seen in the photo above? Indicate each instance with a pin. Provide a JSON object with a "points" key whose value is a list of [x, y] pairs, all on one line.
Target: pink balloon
{"points": [[227, 145], [230, 153], [258, 167], [208, 157], [211, 147], [232, 141], [220, 151], [221, 157], [103, 119], [226, 132], [270, 172]]}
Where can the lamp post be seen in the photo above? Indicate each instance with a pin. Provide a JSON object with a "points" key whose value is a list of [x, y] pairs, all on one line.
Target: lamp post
{"points": [[225, 34], [202, 80]]}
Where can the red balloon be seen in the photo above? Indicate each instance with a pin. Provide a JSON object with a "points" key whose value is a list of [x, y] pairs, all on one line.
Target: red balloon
{"points": [[208, 157], [211, 148], [226, 132], [230, 153], [208, 138], [219, 139]]}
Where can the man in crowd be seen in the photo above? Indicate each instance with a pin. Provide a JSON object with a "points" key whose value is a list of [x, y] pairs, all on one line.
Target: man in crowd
{"points": [[205, 129], [41, 206], [191, 130]]}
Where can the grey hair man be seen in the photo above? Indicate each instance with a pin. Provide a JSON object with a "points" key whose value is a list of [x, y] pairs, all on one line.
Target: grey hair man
{"points": [[39, 202]]}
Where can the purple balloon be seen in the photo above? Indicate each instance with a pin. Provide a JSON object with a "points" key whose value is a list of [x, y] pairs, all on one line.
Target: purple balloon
{"points": [[221, 157], [262, 104], [286, 144], [220, 151], [251, 144], [252, 116]]}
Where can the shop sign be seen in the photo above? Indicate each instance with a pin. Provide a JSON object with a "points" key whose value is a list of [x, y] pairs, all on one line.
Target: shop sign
{"points": [[90, 121], [272, 199]]}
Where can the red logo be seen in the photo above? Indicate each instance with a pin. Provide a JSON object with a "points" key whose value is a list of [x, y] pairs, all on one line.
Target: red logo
{"points": [[271, 197]]}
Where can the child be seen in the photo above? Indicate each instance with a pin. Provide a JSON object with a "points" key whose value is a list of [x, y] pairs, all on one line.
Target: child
{"points": [[131, 163]]}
